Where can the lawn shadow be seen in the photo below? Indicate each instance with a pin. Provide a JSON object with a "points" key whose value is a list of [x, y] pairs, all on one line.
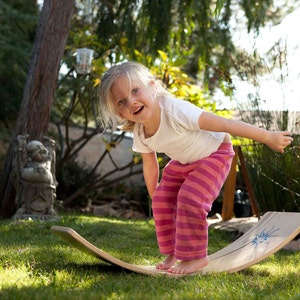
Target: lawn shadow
{"points": [[98, 268]]}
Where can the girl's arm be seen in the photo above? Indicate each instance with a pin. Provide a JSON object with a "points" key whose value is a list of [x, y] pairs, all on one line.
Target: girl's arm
{"points": [[276, 140], [151, 171]]}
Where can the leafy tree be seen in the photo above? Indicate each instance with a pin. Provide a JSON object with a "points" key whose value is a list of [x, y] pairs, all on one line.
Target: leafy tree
{"points": [[17, 30], [197, 30]]}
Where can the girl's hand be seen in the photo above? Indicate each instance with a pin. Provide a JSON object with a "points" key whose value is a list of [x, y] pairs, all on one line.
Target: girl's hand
{"points": [[278, 140]]}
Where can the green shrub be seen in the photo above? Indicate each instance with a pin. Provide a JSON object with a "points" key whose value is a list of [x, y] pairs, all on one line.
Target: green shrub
{"points": [[274, 176], [70, 178]]}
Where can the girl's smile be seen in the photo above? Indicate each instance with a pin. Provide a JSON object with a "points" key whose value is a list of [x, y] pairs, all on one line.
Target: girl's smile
{"points": [[138, 110]]}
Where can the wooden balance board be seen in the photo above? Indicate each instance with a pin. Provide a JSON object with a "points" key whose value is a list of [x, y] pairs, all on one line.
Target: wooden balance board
{"points": [[272, 232]]}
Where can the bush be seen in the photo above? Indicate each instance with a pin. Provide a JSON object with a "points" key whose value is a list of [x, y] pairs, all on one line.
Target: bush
{"points": [[70, 178], [274, 178]]}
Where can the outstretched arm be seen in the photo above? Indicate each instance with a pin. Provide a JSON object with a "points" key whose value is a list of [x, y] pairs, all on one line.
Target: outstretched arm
{"points": [[151, 171], [276, 140]]}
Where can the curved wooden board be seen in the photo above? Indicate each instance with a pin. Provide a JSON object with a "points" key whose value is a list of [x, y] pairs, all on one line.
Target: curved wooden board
{"points": [[73, 238], [272, 232]]}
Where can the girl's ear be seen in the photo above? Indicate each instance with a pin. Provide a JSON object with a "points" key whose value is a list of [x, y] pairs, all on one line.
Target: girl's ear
{"points": [[152, 83]]}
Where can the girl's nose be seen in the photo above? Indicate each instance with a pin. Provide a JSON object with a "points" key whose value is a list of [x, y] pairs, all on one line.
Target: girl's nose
{"points": [[131, 101]]}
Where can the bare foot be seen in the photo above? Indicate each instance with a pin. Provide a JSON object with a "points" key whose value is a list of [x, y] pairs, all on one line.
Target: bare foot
{"points": [[189, 266], [167, 263]]}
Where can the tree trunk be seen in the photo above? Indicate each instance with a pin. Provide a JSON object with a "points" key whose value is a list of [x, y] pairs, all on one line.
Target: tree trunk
{"points": [[34, 114]]}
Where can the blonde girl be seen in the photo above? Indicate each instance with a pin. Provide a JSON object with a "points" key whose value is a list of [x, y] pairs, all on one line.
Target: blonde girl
{"points": [[200, 150]]}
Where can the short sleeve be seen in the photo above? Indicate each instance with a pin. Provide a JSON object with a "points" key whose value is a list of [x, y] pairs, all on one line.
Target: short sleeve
{"points": [[184, 113]]}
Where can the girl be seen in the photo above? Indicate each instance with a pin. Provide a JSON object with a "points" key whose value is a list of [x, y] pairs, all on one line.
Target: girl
{"points": [[201, 153]]}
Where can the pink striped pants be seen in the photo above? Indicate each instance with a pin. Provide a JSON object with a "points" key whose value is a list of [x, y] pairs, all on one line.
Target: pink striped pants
{"points": [[183, 199]]}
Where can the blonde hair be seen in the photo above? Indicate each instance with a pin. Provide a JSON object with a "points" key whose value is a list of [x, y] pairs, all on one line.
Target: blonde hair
{"points": [[130, 70]]}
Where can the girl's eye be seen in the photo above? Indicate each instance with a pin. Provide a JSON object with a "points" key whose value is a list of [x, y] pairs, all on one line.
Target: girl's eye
{"points": [[121, 102], [135, 91]]}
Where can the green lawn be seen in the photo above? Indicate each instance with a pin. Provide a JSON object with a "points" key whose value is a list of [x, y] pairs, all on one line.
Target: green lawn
{"points": [[36, 264]]}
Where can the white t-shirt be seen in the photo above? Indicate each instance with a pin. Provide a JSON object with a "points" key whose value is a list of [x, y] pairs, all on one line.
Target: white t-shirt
{"points": [[178, 135]]}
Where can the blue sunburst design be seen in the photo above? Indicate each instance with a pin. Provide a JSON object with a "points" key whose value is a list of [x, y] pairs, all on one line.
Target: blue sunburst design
{"points": [[264, 236]]}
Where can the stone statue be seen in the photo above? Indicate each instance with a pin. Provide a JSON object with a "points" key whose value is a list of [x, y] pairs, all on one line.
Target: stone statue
{"points": [[34, 177]]}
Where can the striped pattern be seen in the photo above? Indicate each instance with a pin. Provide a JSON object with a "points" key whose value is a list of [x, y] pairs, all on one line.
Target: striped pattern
{"points": [[183, 199]]}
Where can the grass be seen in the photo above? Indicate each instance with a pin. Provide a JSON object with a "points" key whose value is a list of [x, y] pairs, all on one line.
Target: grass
{"points": [[36, 264]]}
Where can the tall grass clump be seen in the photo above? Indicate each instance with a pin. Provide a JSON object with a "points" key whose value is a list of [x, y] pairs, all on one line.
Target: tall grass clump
{"points": [[275, 177]]}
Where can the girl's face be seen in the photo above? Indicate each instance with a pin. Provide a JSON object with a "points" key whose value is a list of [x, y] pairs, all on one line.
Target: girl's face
{"points": [[134, 102]]}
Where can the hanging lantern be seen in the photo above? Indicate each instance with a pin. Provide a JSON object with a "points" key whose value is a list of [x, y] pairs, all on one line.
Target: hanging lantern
{"points": [[84, 59]]}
